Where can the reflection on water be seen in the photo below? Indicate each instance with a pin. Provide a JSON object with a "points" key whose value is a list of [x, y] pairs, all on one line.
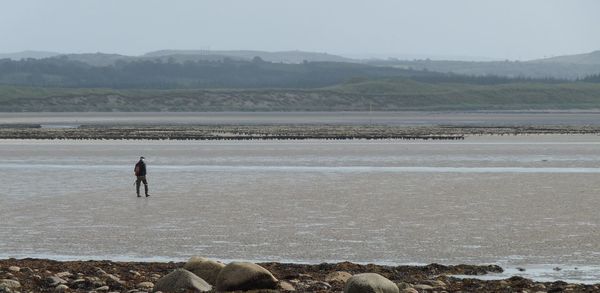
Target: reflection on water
{"points": [[522, 200]]}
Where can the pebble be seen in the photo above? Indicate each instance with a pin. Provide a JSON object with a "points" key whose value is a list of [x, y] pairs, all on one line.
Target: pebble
{"points": [[54, 281], [61, 288], [14, 269], [63, 274], [435, 283], [100, 271], [11, 284], [103, 288], [155, 277], [403, 285], [409, 290], [319, 285], [145, 285], [27, 270], [114, 279], [286, 286], [423, 287]]}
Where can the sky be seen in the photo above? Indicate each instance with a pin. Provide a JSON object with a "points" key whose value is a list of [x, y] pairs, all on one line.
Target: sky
{"points": [[451, 29]]}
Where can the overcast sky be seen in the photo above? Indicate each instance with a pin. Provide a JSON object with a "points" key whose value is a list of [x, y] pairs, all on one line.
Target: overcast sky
{"points": [[502, 29]]}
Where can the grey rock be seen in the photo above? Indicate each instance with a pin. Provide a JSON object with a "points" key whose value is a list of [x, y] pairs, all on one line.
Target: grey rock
{"points": [[339, 277], [14, 269], [103, 289], [204, 268], [370, 283], [245, 276], [181, 279]]}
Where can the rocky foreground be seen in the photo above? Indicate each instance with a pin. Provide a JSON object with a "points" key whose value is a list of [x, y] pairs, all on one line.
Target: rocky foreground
{"points": [[204, 275]]}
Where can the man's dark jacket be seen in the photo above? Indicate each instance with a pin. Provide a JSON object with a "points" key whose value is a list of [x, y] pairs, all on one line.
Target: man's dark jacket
{"points": [[140, 168]]}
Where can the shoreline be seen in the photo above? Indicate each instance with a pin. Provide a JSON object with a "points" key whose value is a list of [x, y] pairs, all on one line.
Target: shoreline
{"points": [[277, 132], [34, 275]]}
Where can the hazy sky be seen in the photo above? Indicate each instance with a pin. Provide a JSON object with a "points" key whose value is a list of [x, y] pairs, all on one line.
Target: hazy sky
{"points": [[513, 29]]}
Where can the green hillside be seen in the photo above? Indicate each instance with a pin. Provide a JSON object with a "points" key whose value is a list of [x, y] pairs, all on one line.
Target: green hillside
{"points": [[360, 95]]}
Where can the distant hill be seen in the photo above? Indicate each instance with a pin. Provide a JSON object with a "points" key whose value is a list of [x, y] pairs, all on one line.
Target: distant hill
{"points": [[277, 57], [75, 71], [545, 68], [97, 59], [28, 54], [182, 56], [584, 59]]}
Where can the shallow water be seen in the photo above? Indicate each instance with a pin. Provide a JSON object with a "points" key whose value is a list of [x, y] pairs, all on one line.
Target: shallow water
{"points": [[407, 118], [515, 201]]}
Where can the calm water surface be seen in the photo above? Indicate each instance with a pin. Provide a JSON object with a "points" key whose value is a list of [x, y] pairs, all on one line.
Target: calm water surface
{"points": [[515, 201], [478, 118]]}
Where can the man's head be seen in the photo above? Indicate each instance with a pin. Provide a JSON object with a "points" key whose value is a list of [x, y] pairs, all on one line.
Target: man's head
{"points": [[142, 158]]}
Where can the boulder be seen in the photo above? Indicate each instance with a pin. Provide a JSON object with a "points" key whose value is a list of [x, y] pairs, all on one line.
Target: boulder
{"points": [[204, 268], [181, 279], [370, 283], [244, 276]]}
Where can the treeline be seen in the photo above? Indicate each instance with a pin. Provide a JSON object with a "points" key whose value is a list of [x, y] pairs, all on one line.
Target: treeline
{"points": [[592, 78], [226, 73]]}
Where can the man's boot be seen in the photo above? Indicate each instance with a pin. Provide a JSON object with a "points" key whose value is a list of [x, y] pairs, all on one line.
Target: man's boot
{"points": [[146, 189]]}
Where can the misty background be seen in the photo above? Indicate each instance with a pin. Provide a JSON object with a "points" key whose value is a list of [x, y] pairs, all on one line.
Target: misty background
{"points": [[461, 29]]}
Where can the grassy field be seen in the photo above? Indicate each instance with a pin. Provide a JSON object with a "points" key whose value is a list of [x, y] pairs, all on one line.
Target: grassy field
{"points": [[359, 95]]}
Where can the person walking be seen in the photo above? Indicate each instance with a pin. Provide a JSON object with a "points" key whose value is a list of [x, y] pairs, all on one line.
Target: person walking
{"points": [[140, 174]]}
